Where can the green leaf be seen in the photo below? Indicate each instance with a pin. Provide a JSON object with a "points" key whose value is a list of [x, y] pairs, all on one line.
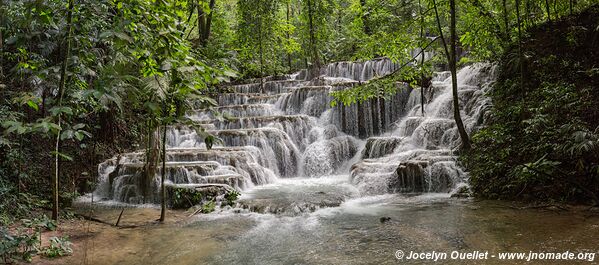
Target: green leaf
{"points": [[62, 155], [230, 73], [123, 36], [33, 105], [60, 110], [105, 34], [79, 136], [67, 134], [79, 126]]}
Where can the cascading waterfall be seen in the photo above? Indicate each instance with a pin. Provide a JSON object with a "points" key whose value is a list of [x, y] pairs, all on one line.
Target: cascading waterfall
{"points": [[284, 127], [422, 159]]}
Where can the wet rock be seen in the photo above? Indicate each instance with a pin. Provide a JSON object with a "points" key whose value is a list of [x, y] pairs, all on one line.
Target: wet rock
{"points": [[189, 195], [410, 177], [380, 146], [385, 219]]}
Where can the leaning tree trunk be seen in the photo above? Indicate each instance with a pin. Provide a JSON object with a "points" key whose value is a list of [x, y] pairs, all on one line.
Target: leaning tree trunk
{"points": [[61, 88], [422, 81], [451, 59], [454, 78]]}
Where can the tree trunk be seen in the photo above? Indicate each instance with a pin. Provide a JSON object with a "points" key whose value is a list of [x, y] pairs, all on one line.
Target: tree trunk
{"points": [[364, 17], [61, 88], [570, 9], [506, 21], [548, 10], [261, 51], [204, 22], [454, 78], [528, 17], [208, 24], [288, 35], [422, 57], [201, 23], [152, 154], [1, 48], [451, 58], [315, 56], [520, 54], [163, 176]]}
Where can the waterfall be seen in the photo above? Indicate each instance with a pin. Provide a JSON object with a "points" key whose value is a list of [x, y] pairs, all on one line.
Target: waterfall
{"points": [[284, 127], [422, 159]]}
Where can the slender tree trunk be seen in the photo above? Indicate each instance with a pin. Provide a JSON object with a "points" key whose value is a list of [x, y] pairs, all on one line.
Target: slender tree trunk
{"points": [[61, 89], [204, 22], [454, 78], [261, 51], [201, 22], [315, 56], [208, 24], [520, 54], [526, 20], [451, 58], [422, 57], [548, 10], [288, 35], [571, 7], [152, 155], [163, 176], [364, 17], [506, 21], [1, 47]]}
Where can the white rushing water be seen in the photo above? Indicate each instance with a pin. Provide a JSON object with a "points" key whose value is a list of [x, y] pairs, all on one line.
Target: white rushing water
{"points": [[322, 185], [288, 151]]}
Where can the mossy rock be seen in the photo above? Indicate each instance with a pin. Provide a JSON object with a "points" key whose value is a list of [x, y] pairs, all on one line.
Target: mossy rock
{"points": [[184, 197]]}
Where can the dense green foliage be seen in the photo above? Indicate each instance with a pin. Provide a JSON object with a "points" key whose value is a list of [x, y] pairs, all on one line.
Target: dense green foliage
{"points": [[59, 246], [543, 140], [184, 198], [81, 81], [129, 70], [484, 28], [25, 242]]}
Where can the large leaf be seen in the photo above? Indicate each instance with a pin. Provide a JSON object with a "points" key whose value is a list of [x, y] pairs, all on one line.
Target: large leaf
{"points": [[55, 111]]}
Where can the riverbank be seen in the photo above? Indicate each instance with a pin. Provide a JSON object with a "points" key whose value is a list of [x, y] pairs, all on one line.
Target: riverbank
{"points": [[100, 243], [336, 235]]}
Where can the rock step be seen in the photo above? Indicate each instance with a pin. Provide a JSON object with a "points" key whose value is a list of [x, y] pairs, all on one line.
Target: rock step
{"points": [[269, 87], [380, 146], [243, 110], [225, 99]]}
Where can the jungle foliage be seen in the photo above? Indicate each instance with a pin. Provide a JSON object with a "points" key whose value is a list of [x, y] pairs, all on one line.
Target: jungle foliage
{"points": [[543, 140], [81, 81]]}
